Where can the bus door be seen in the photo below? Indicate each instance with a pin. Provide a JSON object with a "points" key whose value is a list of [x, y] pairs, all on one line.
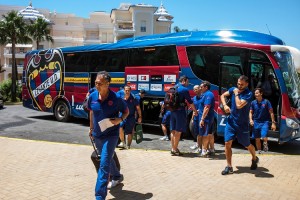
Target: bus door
{"points": [[261, 74], [229, 74]]}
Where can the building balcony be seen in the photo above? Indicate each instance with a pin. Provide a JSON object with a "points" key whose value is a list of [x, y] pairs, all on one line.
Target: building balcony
{"points": [[8, 54], [91, 40], [124, 30], [20, 66]]}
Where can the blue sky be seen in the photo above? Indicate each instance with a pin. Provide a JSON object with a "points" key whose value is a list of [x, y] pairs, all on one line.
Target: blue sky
{"points": [[281, 17]]}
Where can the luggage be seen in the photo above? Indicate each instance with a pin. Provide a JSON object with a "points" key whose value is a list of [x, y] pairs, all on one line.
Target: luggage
{"points": [[138, 133], [96, 158]]}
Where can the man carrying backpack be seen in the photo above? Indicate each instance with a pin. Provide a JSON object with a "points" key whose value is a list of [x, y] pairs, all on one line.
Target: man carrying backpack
{"points": [[178, 122]]}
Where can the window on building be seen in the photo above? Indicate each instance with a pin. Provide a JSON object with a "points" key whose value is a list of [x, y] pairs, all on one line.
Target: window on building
{"points": [[143, 26]]}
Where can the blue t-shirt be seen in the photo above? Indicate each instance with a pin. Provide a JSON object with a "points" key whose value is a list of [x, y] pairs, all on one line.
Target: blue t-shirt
{"points": [[208, 99], [137, 97], [261, 110], [131, 102], [184, 95], [109, 108], [196, 101], [240, 116]]}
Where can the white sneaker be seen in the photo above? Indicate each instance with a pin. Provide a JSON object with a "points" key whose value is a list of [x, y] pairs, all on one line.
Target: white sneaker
{"points": [[204, 153], [121, 145], [194, 147], [113, 183], [266, 148], [165, 138]]}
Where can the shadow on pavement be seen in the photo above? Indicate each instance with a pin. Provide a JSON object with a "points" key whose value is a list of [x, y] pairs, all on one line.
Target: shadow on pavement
{"points": [[260, 172], [119, 193]]}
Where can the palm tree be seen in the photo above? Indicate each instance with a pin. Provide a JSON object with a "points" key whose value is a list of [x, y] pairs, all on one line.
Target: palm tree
{"points": [[13, 29], [39, 31]]}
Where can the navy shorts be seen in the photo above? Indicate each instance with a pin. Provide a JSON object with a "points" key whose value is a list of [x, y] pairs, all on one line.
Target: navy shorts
{"points": [[128, 125], [178, 121], [260, 129], [235, 131], [206, 129], [166, 118], [195, 127]]}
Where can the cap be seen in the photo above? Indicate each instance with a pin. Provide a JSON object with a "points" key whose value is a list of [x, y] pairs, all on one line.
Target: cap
{"points": [[142, 91]]}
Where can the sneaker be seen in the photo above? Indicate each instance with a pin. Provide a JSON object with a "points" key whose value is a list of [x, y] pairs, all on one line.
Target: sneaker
{"points": [[165, 138], [227, 170], [212, 152], [127, 147], [254, 164], [204, 153], [198, 150], [259, 151], [172, 153], [266, 148], [194, 147], [177, 153], [121, 145], [113, 183]]}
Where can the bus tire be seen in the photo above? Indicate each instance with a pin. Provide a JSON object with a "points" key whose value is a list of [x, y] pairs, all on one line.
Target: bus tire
{"points": [[61, 111]]}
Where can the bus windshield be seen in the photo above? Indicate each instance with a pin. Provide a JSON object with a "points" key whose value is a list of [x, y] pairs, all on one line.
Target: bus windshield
{"points": [[290, 76]]}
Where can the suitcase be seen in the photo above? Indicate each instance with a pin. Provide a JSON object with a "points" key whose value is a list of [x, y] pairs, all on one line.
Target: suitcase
{"points": [[96, 158]]}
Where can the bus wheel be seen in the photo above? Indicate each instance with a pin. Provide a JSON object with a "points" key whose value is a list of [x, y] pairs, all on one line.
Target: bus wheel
{"points": [[62, 111]]}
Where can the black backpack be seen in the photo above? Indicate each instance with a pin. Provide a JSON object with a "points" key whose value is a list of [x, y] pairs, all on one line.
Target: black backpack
{"points": [[171, 101]]}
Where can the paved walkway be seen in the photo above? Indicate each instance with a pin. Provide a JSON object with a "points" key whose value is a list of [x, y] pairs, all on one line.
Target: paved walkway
{"points": [[43, 170]]}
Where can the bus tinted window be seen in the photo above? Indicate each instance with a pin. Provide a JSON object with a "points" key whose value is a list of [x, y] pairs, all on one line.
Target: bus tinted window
{"points": [[153, 56], [113, 60], [205, 61], [76, 62]]}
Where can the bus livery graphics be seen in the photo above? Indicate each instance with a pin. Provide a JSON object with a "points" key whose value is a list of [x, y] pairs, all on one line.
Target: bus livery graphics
{"points": [[44, 77]]}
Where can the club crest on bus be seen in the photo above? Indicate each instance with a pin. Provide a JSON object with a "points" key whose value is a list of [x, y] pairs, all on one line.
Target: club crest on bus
{"points": [[44, 74]]}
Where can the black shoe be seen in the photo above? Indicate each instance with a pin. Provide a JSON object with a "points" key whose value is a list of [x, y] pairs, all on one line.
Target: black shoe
{"points": [[177, 153], [172, 153], [227, 170], [254, 164]]}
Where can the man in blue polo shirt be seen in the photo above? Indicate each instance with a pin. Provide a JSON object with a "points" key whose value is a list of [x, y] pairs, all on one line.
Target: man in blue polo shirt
{"points": [[206, 115], [127, 126], [105, 106], [195, 120], [260, 112], [238, 121], [178, 121]]}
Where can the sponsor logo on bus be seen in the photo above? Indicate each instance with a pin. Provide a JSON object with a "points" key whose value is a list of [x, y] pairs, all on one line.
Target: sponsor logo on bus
{"points": [[144, 78], [132, 86], [156, 87], [131, 78], [143, 86], [169, 78]]}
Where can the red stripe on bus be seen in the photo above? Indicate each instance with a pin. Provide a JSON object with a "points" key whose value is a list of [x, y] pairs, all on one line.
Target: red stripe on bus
{"points": [[182, 56]]}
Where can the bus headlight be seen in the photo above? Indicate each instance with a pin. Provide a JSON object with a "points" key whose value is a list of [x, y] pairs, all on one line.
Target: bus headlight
{"points": [[291, 123]]}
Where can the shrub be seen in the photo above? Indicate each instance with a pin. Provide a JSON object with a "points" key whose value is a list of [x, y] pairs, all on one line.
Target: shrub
{"points": [[5, 90]]}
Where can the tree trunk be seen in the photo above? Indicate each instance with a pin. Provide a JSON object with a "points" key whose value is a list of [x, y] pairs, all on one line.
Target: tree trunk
{"points": [[14, 72]]}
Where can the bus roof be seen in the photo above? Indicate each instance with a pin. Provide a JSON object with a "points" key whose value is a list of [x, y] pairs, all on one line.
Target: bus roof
{"points": [[185, 38]]}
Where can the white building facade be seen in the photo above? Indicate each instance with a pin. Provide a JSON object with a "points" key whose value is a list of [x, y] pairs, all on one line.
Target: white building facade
{"points": [[70, 30]]}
